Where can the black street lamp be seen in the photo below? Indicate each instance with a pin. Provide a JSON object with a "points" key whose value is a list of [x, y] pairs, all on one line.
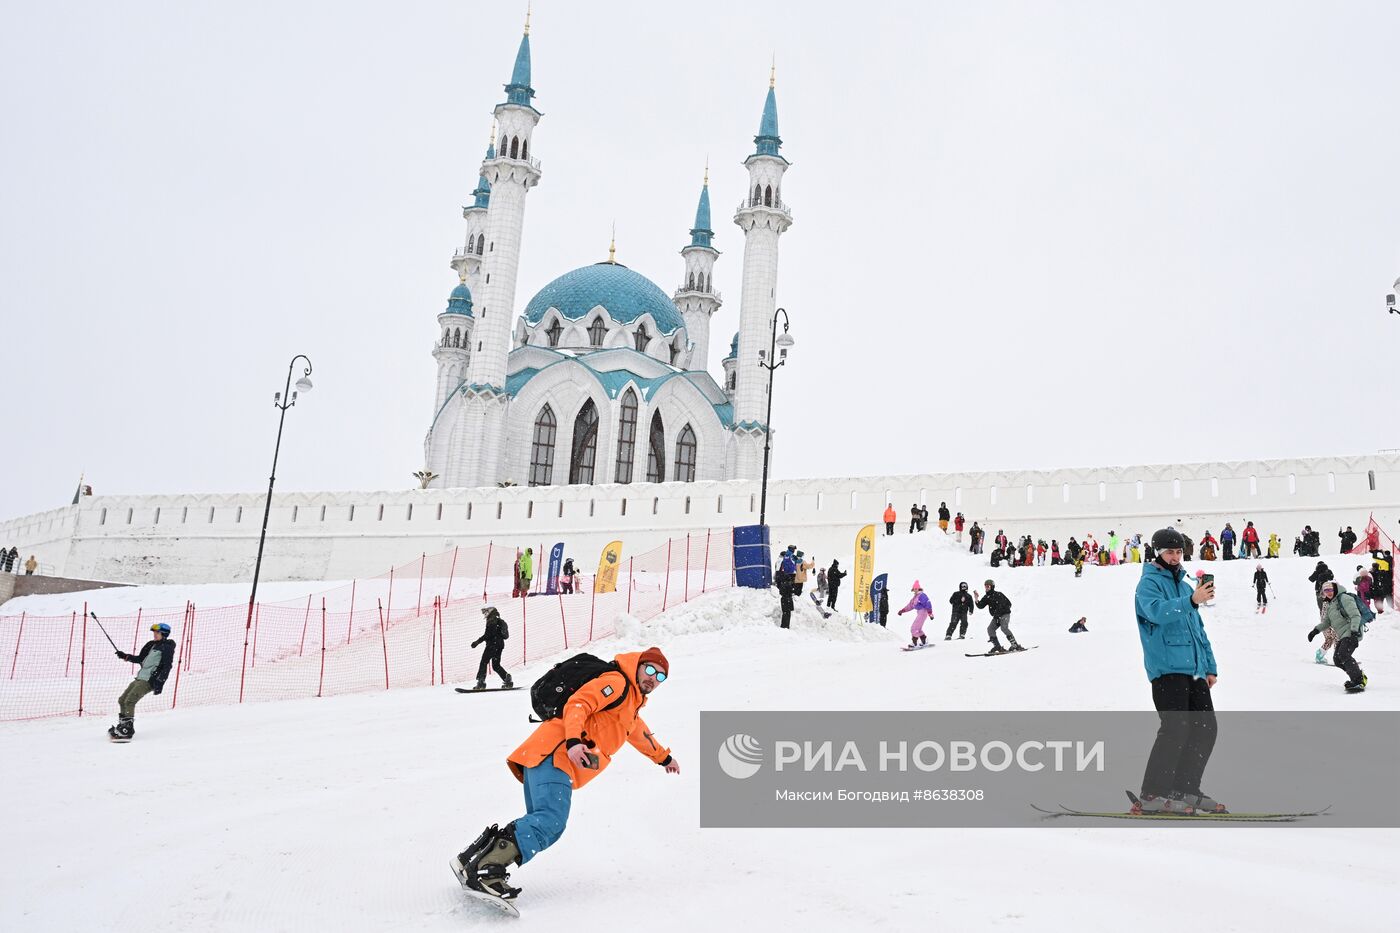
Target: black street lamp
{"points": [[290, 396], [771, 359]]}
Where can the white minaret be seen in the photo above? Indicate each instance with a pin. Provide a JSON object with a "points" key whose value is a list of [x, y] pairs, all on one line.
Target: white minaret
{"points": [[476, 455], [764, 218], [466, 262], [697, 299]]}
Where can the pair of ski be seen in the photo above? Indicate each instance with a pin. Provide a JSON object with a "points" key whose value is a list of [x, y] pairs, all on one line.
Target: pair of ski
{"points": [[1180, 818]]}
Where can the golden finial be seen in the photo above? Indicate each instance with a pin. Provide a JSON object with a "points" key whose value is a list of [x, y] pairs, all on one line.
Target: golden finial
{"points": [[707, 171], [612, 246], [773, 72], [493, 133], [527, 19]]}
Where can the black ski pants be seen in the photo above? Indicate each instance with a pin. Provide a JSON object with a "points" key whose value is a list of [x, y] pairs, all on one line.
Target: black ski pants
{"points": [[889, 528], [1342, 657], [1185, 738], [831, 595], [491, 656], [959, 618], [1261, 597]]}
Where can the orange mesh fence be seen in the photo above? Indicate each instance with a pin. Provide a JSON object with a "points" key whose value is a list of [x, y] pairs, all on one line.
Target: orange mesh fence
{"points": [[410, 627]]}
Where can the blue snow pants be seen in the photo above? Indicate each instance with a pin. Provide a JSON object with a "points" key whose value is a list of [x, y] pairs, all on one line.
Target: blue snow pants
{"points": [[548, 793]]}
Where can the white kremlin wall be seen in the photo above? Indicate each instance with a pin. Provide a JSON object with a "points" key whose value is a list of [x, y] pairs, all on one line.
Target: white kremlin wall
{"points": [[343, 535]]}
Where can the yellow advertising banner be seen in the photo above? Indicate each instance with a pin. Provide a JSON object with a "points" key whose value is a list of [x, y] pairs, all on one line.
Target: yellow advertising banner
{"points": [[608, 565], [865, 567]]}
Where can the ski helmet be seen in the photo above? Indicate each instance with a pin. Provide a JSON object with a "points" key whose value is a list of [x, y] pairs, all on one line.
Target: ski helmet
{"points": [[1168, 539], [991, 583], [962, 586], [161, 627]]}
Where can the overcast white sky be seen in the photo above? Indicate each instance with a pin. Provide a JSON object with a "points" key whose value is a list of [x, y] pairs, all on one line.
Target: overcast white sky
{"points": [[1017, 224]]}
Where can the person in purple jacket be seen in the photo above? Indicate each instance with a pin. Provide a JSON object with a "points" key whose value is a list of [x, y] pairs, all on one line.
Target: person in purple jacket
{"points": [[922, 608]]}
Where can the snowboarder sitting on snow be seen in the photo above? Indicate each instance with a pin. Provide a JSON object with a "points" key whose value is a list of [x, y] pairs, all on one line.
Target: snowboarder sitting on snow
{"points": [[999, 606], [1080, 626], [1341, 616], [562, 755], [495, 638], [1181, 666], [919, 602], [997, 556], [156, 658], [962, 604]]}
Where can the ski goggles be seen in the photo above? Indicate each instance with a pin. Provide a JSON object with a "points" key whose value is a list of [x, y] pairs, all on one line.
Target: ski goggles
{"points": [[651, 670]]}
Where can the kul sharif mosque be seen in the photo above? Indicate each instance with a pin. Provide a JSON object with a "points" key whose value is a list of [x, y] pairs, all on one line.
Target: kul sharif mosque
{"points": [[600, 379]]}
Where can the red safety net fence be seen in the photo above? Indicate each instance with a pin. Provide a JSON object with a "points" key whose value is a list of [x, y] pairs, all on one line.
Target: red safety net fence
{"points": [[410, 627]]}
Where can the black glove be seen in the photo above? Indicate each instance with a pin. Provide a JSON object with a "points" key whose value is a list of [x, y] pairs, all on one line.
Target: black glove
{"points": [[157, 690], [475, 643], [1312, 634]]}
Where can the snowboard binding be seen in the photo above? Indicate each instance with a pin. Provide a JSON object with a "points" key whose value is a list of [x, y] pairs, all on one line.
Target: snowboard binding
{"points": [[482, 866], [123, 731]]}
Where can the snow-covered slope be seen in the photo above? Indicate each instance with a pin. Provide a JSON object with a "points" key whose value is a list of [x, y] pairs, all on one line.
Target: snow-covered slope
{"points": [[341, 813]]}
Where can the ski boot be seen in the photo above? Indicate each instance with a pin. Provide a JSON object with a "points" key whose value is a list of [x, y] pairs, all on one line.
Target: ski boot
{"points": [[123, 731], [923, 640], [997, 648], [961, 637], [1174, 805], [1320, 658], [1357, 686], [480, 685], [1016, 646], [507, 684], [1204, 804]]}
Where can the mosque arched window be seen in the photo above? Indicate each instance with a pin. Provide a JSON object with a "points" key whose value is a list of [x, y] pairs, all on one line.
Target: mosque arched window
{"points": [[457, 337], [447, 337], [525, 149], [676, 351], [554, 332], [626, 438], [685, 456], [642, 338], [656, 451], [542, 449], [585, 445], [690, 281], [480, 243], [596, 332], [515, 147], [757, 195], [729, 382], [768, 196]]}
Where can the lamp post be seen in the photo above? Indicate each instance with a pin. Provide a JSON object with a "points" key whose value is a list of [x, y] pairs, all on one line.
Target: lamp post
{"points": [[771, 359], [281, 401]]}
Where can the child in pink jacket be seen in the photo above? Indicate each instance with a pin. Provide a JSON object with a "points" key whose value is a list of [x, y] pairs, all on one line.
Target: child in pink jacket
{"points": [[919, 602]]}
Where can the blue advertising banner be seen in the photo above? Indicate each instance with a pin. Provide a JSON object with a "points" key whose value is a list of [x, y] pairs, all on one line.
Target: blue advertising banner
{"points": [[876, 587], [556, 560]]}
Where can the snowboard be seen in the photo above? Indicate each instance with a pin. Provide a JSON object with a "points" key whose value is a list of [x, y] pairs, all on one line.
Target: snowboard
{"points": [[505, 907], [484, 689], [989, 654], [821, 607], [915, 647]]}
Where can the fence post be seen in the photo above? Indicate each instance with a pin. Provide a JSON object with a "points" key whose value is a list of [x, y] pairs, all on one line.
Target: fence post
{"points": [[189, 639], [486, 580], [82, 662], [350, 624], [450, 574], [18, 638], [301, 646], [666, 588], [136, 632], [184, 643], [321, 682], [630, 585], [563, 624], [442, 644], [390, 608], [257, 618], [68, 659], [385, 642], [685, 590], [593, 607], [432, 648], [524, 628], [705, 571], [422, 560]]}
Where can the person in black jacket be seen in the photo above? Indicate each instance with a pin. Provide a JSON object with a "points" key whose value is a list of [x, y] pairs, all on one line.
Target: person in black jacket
{"points": [[834, 576], [156, 658], [1261, 582], [1320, 575], [883, 610], [1348, 539], [495, 638], [999, 606], [962, 604]]}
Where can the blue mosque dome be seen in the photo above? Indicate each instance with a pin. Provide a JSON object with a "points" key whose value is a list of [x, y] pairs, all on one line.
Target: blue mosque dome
{"points": [[625, 294], [734, 347], [460, 301]]}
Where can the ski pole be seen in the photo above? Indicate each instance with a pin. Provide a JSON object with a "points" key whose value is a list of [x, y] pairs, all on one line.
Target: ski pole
{"points": [[104, 632]]}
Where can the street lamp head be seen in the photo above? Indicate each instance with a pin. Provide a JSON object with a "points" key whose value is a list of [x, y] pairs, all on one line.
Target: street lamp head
{"points": [[785, 340], [304, 384]]}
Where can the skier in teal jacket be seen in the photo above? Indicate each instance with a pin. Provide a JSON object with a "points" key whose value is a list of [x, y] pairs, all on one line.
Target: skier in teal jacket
{"points": [[1181, 666]]}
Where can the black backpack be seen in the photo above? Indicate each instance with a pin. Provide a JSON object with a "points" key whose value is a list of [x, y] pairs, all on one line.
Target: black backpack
{"points": [[549, 694]]}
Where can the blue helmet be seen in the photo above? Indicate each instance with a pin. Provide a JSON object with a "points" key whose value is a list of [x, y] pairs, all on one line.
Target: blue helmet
{"points": [[161, 627]]}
